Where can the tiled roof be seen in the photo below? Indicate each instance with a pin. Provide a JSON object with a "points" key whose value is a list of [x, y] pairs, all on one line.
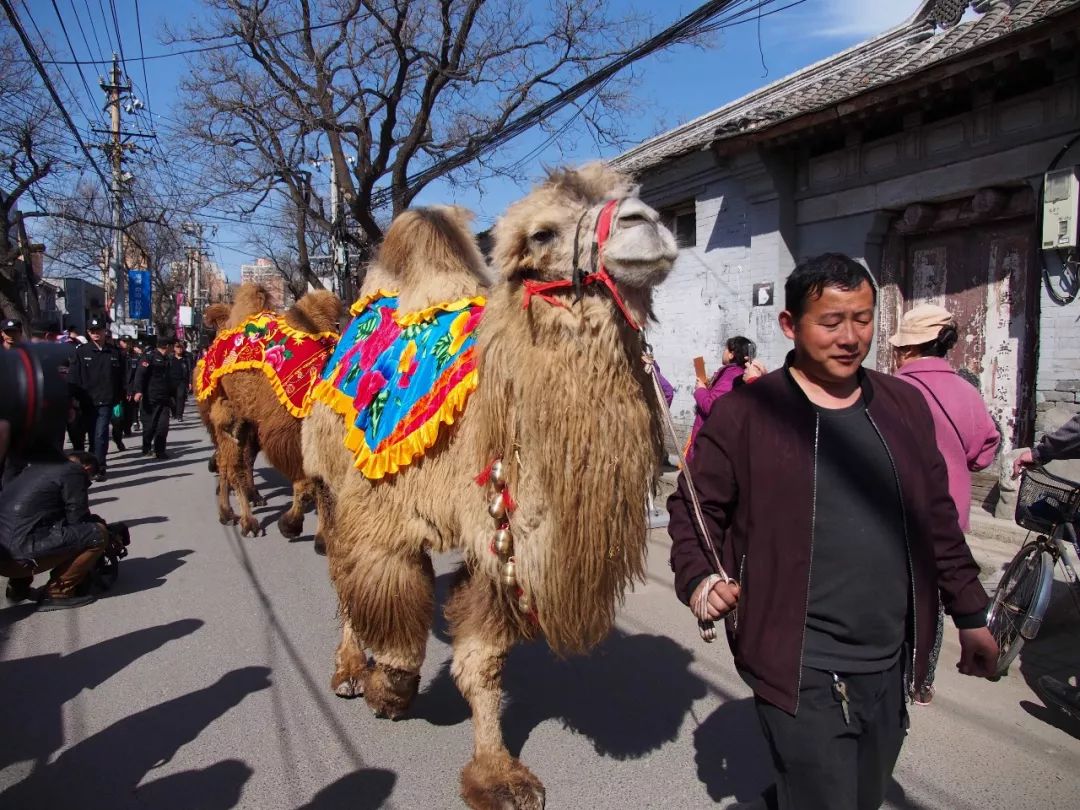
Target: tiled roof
{"points": [[933, 35]]}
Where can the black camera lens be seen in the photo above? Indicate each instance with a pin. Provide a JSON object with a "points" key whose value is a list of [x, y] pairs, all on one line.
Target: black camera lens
{"points": [[34, 394]]}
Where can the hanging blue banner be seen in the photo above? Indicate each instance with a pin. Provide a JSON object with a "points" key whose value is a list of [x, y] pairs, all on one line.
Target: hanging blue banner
{"points": [[138, 294]]}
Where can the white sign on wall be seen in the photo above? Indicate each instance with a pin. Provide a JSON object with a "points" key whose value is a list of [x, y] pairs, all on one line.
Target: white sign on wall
{"points": [[185, 316]]}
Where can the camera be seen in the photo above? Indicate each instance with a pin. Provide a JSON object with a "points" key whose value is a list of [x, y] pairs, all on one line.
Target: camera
{"points": [[33, 379]]}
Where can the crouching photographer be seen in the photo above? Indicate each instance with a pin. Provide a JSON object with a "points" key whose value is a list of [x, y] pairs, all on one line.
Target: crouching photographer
{"points": [[45, 520], [46, 525]]}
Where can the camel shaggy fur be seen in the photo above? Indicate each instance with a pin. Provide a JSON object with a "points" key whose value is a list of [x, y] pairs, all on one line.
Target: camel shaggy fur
{"points": [[564, 402], [246, 418]]}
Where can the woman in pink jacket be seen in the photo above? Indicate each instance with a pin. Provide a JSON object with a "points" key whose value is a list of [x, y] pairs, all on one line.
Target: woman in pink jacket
{"points": [[966, 434], [738, 357]]}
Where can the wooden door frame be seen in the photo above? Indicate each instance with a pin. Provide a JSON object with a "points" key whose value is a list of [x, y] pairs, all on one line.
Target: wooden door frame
{"points": [[985, 207]]}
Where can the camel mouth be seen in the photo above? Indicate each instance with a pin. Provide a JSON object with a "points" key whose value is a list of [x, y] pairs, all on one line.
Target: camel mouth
{"points": [[640, 271]]}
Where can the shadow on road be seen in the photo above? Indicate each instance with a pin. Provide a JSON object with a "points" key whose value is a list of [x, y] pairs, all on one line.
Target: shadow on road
{"points": [[731, 754], [624, 716], [365, 789], [102, 771], [143, 573], [36, 688], [1053, 652], [108, 487], [143, 520]]}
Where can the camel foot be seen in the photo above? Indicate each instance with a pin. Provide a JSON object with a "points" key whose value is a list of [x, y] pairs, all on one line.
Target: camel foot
{"points": [[290, 528], [320, 544], [346, 685], [500, 782], [256, 499], [250, 527], [229, 518], [389, 691]]}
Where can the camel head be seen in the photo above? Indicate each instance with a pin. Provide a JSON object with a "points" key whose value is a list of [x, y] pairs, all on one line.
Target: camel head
{"points": [[553, 230], [251, 299], [317, 311], [216, 316]]}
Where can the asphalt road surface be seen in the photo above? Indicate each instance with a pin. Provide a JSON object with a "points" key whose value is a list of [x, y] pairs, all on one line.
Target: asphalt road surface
{"points": [[202, 682]]}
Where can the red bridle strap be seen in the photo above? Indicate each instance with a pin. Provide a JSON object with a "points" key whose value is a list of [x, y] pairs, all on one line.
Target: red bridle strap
{"points": [[542, 289]]}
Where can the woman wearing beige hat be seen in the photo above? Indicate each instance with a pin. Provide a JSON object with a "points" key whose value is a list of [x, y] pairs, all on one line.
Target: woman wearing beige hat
{"points": [[966, 434]]}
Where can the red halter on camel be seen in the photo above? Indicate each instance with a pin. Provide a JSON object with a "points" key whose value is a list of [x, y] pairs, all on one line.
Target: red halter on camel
{"points": [[541, 289]]}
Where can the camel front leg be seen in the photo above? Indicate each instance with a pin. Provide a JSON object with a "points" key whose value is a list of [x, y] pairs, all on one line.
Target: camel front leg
{"points": [[350, 664], [389, 597], [291, 523], [483, 634]]}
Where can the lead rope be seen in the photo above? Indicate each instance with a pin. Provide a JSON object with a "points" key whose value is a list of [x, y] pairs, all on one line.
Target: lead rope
{"points": [[705, 627]]}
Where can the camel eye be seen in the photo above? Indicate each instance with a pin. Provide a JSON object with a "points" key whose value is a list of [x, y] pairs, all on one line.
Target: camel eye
{"points": [[543, 236]]}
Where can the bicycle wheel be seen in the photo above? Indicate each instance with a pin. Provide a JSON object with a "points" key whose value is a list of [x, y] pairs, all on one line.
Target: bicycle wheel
{"points": [[1019, 602]]}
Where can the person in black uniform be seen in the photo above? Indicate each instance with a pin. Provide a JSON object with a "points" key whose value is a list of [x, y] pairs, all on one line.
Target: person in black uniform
{"points": [[96, 377], [185, 364], [155, 385]]}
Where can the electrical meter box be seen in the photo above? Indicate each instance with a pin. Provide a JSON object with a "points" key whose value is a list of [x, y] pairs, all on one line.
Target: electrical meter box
{"points": [[1061, 207]]}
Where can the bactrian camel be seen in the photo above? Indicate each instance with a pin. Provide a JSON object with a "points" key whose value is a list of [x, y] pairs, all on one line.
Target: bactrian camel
{"points": [[246, 417], [557, 447]]}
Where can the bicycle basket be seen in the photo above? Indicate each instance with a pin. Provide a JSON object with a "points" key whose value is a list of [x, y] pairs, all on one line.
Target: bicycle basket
{"points": [[1045, 501]]}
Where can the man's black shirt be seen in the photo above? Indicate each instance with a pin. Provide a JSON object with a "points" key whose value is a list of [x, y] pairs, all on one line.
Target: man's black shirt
{"points": [[155, 379], [860, 585], [97, 374], [41, 495]]}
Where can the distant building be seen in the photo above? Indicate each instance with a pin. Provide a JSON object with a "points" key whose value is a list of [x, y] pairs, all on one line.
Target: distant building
{"points": [[68, 302], [265, 273]]}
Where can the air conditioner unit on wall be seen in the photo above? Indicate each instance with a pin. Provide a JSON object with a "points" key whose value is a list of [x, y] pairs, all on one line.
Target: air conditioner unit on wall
{"points": [[1061, 208]]}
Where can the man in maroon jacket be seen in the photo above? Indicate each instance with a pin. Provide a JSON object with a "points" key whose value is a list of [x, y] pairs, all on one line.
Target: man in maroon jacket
{"points": [[822, 486]]}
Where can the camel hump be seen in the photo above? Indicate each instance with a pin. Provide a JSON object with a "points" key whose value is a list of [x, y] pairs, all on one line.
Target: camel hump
{"points": [[429, 256], [316, 312]]}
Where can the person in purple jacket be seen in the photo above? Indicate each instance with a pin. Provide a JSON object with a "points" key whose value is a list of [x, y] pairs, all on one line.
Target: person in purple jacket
{"points": [[738, 354], [966, 434]]}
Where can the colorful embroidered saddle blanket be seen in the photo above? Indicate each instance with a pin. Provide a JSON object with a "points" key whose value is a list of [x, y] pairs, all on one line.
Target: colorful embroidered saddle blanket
{"points": [[398, 377], [291, 360]]}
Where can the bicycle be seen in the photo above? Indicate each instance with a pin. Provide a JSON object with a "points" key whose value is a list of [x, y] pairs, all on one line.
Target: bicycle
{"points": [[1049, 505]]}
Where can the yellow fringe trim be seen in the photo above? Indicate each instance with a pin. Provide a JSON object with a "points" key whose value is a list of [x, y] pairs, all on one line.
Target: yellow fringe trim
{"points": [[271, 375], [378, 465], [421, 315], [283, 327]]}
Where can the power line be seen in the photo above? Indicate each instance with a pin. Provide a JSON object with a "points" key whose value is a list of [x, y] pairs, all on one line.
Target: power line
{"points": [[206, 48], [142, 60], [32, 53], [105, 26], [90, 19], [685, 28], [119, 38], [71, 47]]}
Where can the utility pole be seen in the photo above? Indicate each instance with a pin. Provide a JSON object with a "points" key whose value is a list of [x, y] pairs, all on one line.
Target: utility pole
{"points": [[116, 91]]}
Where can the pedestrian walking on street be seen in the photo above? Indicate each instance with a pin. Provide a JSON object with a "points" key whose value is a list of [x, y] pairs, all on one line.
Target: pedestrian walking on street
{"points": [[966, 434], [154, 390], [96, 379], [825, 493], [182, 374]]}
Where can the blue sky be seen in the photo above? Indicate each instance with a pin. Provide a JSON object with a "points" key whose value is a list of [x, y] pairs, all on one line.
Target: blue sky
{"points": [[675, 86]]}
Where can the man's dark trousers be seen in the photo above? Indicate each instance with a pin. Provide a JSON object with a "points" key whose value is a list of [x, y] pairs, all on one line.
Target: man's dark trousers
{"points": [[155, 427], [180, 397], [99, 418], [825, 763]]}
